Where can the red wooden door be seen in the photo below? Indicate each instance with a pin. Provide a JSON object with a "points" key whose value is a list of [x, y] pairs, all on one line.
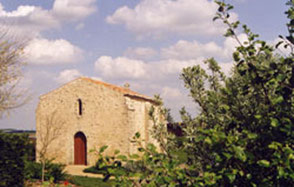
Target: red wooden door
{"points": [[80, 146]]}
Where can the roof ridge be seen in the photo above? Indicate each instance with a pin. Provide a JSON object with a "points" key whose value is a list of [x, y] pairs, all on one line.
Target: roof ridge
{"points": [[125, 91]]}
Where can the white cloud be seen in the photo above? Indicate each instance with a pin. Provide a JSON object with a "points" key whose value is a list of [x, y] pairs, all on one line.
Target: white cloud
{"points": [[26, 80], [125, 68], [186, 50], [73, 9], [28, 21], [140, 53], [42, 51], [68, 75], [97, 78], [120, 67], [157, 17], [20, 11], [190, 50], [170, 93], [281, 50], [173, 66], [80, 26], [227, 67], [230, 44]]}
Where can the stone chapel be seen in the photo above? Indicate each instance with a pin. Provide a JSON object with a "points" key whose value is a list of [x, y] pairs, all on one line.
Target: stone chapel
{"points": [[86, 114]]}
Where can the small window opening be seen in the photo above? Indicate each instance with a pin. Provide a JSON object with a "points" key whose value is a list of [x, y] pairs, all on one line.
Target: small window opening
{"points": [[80, 107]]}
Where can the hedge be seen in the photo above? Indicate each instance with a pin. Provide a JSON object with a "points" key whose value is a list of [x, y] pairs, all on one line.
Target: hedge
{"points": [[13, 149]]}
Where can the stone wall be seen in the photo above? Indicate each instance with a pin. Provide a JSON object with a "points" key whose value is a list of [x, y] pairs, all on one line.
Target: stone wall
{"points": [[108, 118], [103, 121], [139, 120]]}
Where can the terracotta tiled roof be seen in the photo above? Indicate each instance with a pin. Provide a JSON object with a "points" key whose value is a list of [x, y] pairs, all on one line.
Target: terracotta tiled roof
{"points": [[125, 91]]}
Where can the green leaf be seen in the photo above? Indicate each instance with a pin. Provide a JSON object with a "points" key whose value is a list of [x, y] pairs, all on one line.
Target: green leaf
{"points": [[137, 135], [103, 148], [134, 156], [236, 56], [180, 155], [227, 155], [116, 152], [281, 171], [240, 154], [274, 122], [252, 135], [278, 44], [231, 177], [291, 156], [151, 147], [263, 163], [140, 149], [278, 100], [274, 145], [249, 176], [215, 18], [258, 116], [122, 157], [208, 140], [220, 9]]}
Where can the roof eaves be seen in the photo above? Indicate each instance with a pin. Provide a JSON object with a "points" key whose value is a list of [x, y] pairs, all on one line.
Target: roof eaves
{"points": [[141, 98]]}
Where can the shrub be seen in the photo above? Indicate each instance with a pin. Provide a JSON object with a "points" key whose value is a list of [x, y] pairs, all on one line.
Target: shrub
{"points": [[12, 154], [101, 166], [131, 166], [244, 132], [31, 151], [89, 181], [33, 170]]}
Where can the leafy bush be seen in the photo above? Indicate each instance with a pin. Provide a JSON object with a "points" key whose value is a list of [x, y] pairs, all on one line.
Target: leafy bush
{"points": [[94, 169], [135, 166], [102, 166], [89, 181], [12, 154], [31, 151], [150, 168], [244, 133], [33, 170]]}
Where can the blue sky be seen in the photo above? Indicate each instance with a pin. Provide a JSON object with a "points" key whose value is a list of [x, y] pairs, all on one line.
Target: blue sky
{"points": [[143, 42]]}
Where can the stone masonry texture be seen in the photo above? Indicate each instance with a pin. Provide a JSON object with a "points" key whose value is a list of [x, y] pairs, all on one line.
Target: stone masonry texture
{"points": [[111, 115]]}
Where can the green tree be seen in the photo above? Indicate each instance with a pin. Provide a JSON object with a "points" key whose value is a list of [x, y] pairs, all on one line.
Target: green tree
{"points": [[244, 132], [243, 135]]}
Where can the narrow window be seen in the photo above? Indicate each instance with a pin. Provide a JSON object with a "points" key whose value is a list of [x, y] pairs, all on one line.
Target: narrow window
{"points": [[80, 107]]}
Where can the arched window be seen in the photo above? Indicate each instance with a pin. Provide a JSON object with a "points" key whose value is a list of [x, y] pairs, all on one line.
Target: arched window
{"points": [[80, 107]]}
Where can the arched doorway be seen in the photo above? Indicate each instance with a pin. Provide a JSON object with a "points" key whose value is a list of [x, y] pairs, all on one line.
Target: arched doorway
{"points": [[80, 149]]}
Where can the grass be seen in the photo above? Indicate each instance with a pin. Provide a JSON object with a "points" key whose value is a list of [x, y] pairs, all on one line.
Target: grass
{"points": [[89, 181]]}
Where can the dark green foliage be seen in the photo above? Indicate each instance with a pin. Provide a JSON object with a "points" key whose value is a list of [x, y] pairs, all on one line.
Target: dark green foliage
{"points": [[98, 170], [12, 153], [89, 181], [244, 133], [31, 151], [94, 169], [149, 168], [33, 170], [136, 167]]}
